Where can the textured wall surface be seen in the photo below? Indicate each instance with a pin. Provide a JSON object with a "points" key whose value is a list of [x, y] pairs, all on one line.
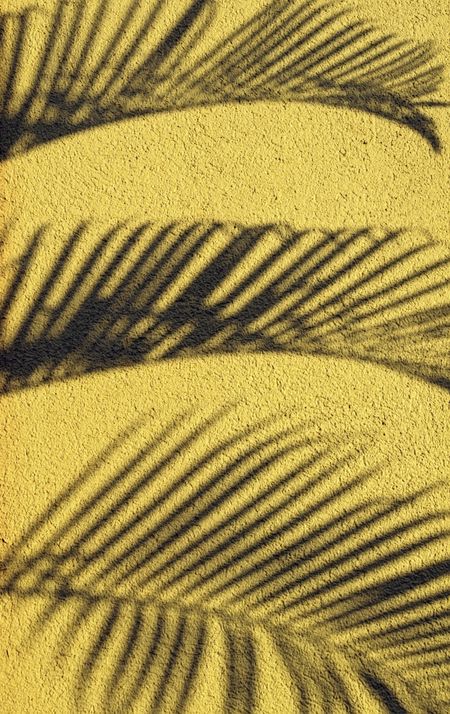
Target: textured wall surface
{"points": [[225, 357]]}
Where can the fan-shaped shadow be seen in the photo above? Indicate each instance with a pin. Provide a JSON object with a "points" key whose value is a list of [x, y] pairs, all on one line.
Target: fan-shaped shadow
{"points": [[182, 290], [270, 539], [93, 71]]}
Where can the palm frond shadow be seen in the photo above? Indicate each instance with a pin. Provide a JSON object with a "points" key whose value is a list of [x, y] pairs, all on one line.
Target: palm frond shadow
{"points": [[265, 540], [154, 292], [310, 51]]}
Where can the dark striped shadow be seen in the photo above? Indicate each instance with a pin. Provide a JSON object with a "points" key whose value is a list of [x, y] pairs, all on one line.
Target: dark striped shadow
{"points": [[99, 65], [267, 542], [147, 293]]}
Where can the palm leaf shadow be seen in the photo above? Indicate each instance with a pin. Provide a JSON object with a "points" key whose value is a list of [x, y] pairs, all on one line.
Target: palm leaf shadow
{"points": [[182, 290], [290, 51], [262, 540]]}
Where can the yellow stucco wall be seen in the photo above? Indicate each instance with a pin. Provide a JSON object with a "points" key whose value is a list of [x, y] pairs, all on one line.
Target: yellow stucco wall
{"points": [[306, 165]]}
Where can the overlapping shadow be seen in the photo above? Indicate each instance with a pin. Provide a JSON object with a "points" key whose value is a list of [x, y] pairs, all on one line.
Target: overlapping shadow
{"points": [[264, 539], [151, 292], [93, 69]]}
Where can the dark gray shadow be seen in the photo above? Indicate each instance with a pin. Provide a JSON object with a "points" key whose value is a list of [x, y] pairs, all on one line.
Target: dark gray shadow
{"points": [[301, 51], [380, 298], [277, 535]]}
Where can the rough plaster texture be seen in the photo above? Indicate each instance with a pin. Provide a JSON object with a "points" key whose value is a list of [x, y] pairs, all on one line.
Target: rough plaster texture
{"points": [[305, 165]]}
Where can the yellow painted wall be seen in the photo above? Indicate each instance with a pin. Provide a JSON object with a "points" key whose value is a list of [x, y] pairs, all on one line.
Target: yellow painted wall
{"points": [[302, 165]]}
